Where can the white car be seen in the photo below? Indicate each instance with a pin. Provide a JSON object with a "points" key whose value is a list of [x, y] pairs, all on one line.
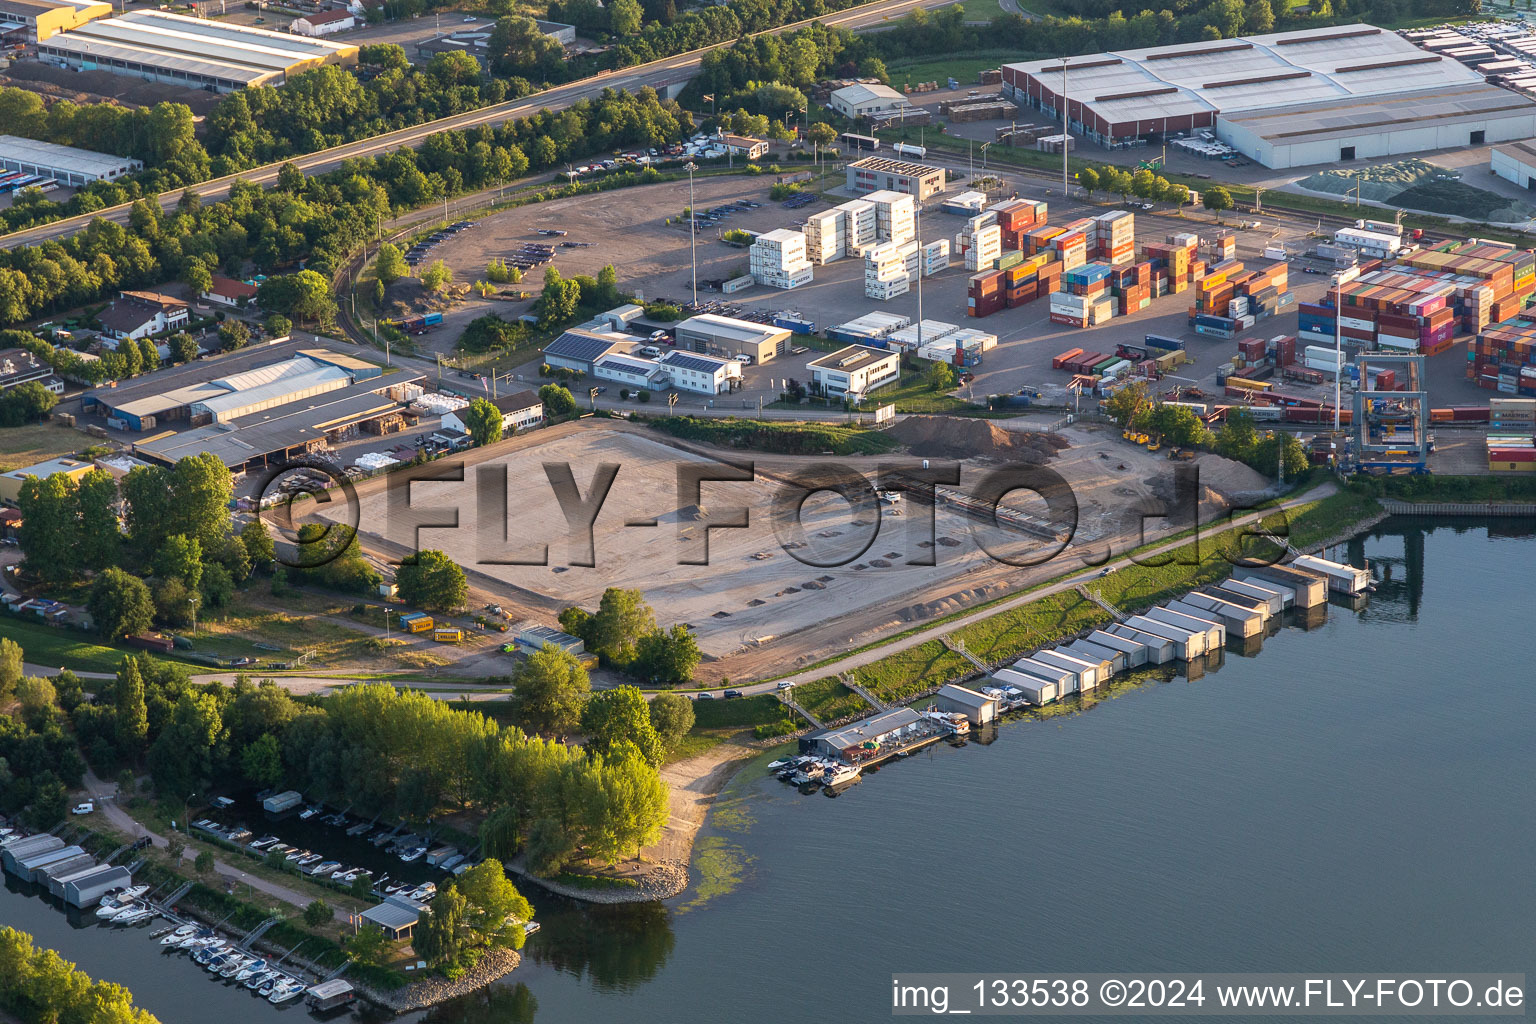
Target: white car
{"points": [[85, 808], [786, 685]]}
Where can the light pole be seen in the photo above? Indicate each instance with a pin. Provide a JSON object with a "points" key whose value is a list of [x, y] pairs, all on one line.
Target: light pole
{"points": [[693, 233], [1340, 279]]}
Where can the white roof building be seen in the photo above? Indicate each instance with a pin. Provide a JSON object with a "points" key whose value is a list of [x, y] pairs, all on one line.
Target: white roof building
{"points": [[1285, 99], [863, 100], [71, 166]]}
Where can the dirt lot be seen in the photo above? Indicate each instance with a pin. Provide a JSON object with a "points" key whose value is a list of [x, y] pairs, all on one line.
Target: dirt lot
{"points": [[757, 605]]}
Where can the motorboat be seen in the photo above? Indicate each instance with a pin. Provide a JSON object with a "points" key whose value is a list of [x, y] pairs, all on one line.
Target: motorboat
{"points": [[530, 927], [257, 978], [413, 854], [264, 842], [396, 887], [296, 854], [123, 910], [325, 867], [175, 937], [268, 984], [424, 891], [198, 941], [135, 915], [235, 966], [309, 812], [289, 989], [282, 848], [210, 951], [840, 773], [308, 859], [255, 967]]}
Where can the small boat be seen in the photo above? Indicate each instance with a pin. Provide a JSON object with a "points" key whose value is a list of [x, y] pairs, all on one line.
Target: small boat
{"points": [[309, 812], [395, 887], [414, 854], [123, 913], [903, 753], [197, 941], [308, 859], [287, 990], [210, 951], [296, 854], [531, 927], [282, 848], [840, 773], [234, 967], [384, 836], [264, 842], [176, 937], [324, 868], [255, 967], [257, 979], [425, 890]]}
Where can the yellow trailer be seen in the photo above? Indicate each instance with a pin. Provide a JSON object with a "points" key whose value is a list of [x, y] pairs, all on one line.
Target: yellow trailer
{"points": [[420, 625], [448, 634]]}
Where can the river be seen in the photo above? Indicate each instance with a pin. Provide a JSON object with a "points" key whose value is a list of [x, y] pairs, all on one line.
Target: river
{"points": [[1355, 797]]}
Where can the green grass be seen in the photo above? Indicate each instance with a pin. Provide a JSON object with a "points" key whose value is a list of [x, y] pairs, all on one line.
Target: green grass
{"points": [[912, 394], [594, 882], [1330, 517], [32, 443], [1450, 488], [738, 712], [696, 743], [778, 437], [62, 648], [829, 699], [963, 69]]}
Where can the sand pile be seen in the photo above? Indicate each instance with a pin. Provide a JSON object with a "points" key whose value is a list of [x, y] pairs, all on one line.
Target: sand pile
{"points": [[958, 437]]}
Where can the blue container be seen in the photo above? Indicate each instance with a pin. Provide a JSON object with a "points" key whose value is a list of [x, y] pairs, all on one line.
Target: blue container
{"points": [[798, 326]]}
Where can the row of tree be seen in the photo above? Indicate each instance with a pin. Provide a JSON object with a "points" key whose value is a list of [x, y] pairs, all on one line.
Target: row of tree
{"points": [[38, 985], [316, 219], [622, 632], [1237, 438]]}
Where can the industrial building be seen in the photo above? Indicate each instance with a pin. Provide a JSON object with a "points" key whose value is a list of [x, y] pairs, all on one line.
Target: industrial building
{"points": [[1288, 99], [263, 403], [856, 101], [36, 20], [978, 708], [18, 366], [878, 173], [705, 375], [578, 349], [726, 336], [66, 164], [338, 19], [199, 54], [521, 410], [532, 639], [855, 370], [1515, 163], [646, 374], [12, 481], [870, 733]]}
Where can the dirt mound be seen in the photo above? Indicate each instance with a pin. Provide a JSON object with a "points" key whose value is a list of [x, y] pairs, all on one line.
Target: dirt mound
{"points": [[959, 437]]}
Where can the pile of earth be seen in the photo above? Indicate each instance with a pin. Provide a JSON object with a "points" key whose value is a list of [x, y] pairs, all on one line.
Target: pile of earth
{"points": [[960, 437]]}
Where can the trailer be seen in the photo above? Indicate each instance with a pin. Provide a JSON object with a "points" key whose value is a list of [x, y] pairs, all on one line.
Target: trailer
{"points": [[448, 634]]}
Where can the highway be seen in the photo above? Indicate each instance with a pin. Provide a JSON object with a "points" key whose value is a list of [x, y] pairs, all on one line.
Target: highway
{"points": [[666, 71]]}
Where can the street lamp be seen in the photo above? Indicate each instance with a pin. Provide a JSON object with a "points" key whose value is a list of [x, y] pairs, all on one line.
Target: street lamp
{"points": [[693, 233], [1340, 279]]}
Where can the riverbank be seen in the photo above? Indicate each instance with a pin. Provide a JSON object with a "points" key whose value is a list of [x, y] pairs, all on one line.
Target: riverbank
{"points": [[494, 965]]}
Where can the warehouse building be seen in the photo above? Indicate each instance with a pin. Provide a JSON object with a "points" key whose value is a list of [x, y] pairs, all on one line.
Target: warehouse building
{"points": [[646, 374], [874, 100], [579, 349], [882, 174], [18, 366], [86, 889], [855, 370], [323, 24], [726, 336], [397, 916], [706, 375], [1515, 163], [66, 164], [1288, 99], [11, 482], [36, 20], [213, 55], [521, 410]]}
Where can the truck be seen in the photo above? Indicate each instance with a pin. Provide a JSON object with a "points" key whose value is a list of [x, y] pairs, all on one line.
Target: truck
{"points": [[1275, 252], [447, 634], [907, 149]]}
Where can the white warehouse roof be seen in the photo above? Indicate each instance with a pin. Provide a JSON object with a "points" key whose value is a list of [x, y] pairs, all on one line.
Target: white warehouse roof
{"points": [[64, 158]]}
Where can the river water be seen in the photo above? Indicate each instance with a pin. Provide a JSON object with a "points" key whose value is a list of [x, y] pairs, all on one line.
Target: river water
{"points": [[1355, 797]]}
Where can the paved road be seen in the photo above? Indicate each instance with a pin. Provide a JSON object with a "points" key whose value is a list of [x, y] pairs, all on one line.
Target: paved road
{"points": [[854, 661], [667, 71]]}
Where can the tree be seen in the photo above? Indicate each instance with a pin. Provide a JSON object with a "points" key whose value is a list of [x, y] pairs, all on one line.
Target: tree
{"points": [[1178, 195], [822, 134], [262, 761], [1216, 199], [318, 913], [390, 264], [204, 863], [233, 335], [493, 908], [1237, 437], [939, 377], [370, 946], [305, 295], [120, 604], [624, 17], [483, 421], [438, 938], [258, 543], [668, 656], [49, 526], [99, 535], [621, 715], [25, 403], [180, 558], [10, 667], [621, 619], [559, 300], [436, 277], [1088, 178], [550, 689], [557, 399], [183, 347], [196, 275], [430, 579], [38, 700], [277, 325], [634, 804], [1125, 405], [671, 717], [130, 715]]}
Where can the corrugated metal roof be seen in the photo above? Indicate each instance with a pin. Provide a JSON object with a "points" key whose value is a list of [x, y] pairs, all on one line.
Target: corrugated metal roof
{"points": [[694, 361], [580, 345], [64, 158]]}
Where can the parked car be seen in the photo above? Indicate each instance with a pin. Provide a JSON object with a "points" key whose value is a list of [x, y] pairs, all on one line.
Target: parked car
{"points": [[705, 696], [732, 693], [85, 808]]}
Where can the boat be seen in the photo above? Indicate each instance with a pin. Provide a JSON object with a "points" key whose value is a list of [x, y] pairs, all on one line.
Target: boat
{"points": [[234, 967], [309, 812], [425, 889], [176, 936], [308, 859], [903, 753], [413, 854], [211, 950], [255, 967], [197, 941], [123, 912], [325, 867], [840, 773], [267, 984], [296, 854], [257, 979], [136, 915], [264, 842], [289, 989], [531, 927]]}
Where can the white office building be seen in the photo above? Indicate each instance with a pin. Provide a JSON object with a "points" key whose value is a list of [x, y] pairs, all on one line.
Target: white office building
{"points": [[705, 375]]}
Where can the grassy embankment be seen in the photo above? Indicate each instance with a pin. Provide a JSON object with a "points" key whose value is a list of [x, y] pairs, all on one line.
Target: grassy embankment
{"points": [[1502, 488]]}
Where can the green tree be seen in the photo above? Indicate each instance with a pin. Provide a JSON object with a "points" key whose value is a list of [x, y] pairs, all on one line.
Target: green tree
{"points": [[483, 421], [38, 700], [233, 335], [1216, 199], [180, 558], [196, 275], [183, 347], [130, 714], [430, 579], [99, 538], [262, 761], [390, 264], [493, 908], [438, 938], [305, 295], [550, 689], [318, 913], [258, 543], [671, 717], [119, 604], [634, 804], [822, 134], [217, 587], [27, 402], [436, 277], [621, 619], [204, 863], [10, 667], [277, 325], [559, 300], [49, 526], [624, 17], [1237, 437], [1088, 178], [668, 656], [621, 715], [1125, 405], [557, 399], [939, 377]]}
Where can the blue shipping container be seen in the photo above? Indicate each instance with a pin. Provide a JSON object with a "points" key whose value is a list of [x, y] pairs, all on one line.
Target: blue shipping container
{"points": [[798, 326]]}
